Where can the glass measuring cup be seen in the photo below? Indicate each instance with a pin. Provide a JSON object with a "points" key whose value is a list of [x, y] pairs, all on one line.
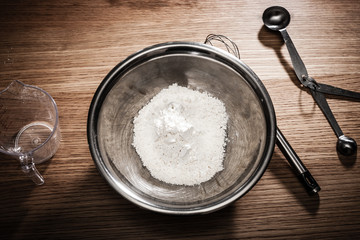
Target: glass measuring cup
{"points": [[29, 126]]}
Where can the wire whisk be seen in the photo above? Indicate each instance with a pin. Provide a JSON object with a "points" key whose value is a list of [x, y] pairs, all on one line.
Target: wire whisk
{"points": [[230, 46]]}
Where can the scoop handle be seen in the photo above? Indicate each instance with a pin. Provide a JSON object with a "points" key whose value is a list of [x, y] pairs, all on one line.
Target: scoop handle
{"points": [[296, 60], [303, 174]]}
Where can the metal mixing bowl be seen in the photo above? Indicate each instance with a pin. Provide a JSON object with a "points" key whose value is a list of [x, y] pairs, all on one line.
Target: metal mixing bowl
{"points": [[132, 83]]}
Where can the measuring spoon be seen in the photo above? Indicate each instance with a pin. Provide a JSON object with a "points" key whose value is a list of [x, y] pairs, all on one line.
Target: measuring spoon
{"points": [[277, 18]]}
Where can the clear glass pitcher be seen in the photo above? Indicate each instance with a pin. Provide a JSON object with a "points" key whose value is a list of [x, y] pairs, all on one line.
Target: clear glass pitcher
{"points": [[29, 126]]}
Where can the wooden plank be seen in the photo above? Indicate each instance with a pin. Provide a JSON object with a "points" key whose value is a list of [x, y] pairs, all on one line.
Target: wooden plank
{"points": [[67, 48]]}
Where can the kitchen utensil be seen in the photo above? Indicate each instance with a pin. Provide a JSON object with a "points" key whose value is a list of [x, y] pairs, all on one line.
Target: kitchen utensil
{"points": [[301, 171], [29, 126], [277, 18]]}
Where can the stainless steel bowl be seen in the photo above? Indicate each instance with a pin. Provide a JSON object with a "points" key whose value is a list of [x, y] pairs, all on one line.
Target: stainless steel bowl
{"points": [[132, 83]]}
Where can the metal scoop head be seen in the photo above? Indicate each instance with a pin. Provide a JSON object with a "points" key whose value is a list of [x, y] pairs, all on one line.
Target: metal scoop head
{"points": [[276, 18]]}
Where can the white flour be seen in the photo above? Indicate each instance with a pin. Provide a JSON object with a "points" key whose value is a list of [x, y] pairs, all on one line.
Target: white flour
{"points": [[180, 136]]}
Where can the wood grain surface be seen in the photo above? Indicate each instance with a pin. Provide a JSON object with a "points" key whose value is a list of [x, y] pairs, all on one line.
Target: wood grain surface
{"points": [[67, 47]]}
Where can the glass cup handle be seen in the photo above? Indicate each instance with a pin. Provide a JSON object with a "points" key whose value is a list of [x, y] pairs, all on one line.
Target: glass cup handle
{"points": [[28, 167]]}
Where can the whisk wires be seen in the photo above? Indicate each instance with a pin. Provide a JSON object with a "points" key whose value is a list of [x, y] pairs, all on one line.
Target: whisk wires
{"points": [[230, 46]]}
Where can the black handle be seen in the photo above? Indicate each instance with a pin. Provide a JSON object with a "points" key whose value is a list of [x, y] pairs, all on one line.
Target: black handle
{"points": [[309, 182], [324, 88], [303, 174]]}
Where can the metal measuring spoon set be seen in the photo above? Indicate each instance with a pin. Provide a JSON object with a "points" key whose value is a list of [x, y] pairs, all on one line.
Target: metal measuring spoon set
{"points": [[277, 19]]}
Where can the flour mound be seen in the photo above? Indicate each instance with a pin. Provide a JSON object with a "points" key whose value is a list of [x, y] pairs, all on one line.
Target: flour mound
{"points": [[180, 135]]}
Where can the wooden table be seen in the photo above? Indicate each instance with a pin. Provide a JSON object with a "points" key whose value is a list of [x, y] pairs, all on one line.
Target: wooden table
{"points": [[67, 48]]}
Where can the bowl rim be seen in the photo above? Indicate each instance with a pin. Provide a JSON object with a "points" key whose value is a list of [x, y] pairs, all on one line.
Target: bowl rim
{"points": [[163, 49]]}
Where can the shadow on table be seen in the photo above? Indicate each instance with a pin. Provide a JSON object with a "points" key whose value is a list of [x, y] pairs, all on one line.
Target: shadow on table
{"points": [[348, 161], [15, 188], [274, 40], [91, 209], [281, 169], [220, 223]]}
